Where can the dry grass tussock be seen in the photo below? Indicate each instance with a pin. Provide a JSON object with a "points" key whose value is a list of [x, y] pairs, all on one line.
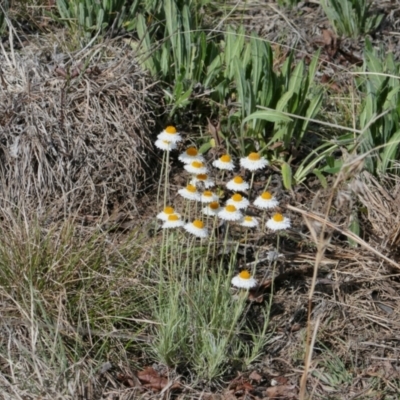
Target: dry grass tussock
{"points": [[75, 129], [70, 302]]}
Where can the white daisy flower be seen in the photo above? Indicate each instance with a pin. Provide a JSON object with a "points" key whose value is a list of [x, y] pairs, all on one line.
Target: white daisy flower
{"points": [[208, 197], [225, 163], [170, 134], [164, 214], [212, 209], [165, 145], [204, 179], [253, 162], [230, 213], [249, 222], [190, 192], [173, 221], [244, 280], [197, 228], [238, 201], [265, 200], [237, 184], [196, 168], [190, 155], [278, 222]]}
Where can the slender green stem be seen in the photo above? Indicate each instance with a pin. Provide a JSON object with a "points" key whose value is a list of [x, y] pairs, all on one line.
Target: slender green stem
{"points": [[162, 249], [212, 237], [225, 242], [159, 183], [251, 183], [245, 244], [166, 191], [263, 219]]}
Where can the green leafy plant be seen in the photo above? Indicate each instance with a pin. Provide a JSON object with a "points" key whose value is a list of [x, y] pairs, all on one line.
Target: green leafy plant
{"points": [[198, 320], [351, 17], [200, 324], [183, 59], [250, 77], [236, 74], [88, 17], [379, 116]]}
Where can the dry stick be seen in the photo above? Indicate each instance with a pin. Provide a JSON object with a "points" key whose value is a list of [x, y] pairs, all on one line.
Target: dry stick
{"points": [[313, 339], [321, 245], [345, 232], [309, 343]]}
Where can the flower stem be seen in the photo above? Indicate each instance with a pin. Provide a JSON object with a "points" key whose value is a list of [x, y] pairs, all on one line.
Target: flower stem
{"points": [[159, 183], [251, 183], [166, 191]]}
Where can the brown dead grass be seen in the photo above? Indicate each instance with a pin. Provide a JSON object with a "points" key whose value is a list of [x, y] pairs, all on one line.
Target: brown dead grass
{"points": [[76, 129]]}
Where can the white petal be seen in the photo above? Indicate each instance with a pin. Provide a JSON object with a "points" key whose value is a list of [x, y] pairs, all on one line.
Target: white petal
{"points": [[243, 283], [276, 226], [229, 166]]}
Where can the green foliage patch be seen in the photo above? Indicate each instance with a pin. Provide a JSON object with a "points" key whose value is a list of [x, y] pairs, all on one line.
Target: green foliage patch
{"points": [[380, 108], [351, 17]]}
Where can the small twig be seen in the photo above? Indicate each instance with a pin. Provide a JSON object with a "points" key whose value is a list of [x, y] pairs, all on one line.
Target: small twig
{"points": [[345, 232]]}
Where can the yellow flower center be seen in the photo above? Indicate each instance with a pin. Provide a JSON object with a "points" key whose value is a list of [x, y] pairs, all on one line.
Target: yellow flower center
{"points": [[168, 210], [230, 208], [237, 197], [207, 193], [214, 205], [173, 217], [226, 158], [254, 156], [198, 224], [201, 177], [238, 179], [266, 196], [191, 188], [245, 274], [248, 219], [197, 164], [191, 151], [171, 130], [278, 217]]}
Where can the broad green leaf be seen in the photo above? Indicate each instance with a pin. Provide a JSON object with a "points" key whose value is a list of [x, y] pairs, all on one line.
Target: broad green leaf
{"points": [[240, 82], [392, 98], [257, 59], [321, 177], [188, 35], [296, 78], [286, 176], [334, 169], [184, 97], [354, 227], [164, 60], [81, 15], [390, 152], [100, 19], [312, 68], [205, 147], [267, 115], [312, 160], [146, 45], [282, 103]]}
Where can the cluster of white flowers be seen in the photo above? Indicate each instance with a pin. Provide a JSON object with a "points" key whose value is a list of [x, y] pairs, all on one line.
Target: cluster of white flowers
{"points": [[195, 165]]}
